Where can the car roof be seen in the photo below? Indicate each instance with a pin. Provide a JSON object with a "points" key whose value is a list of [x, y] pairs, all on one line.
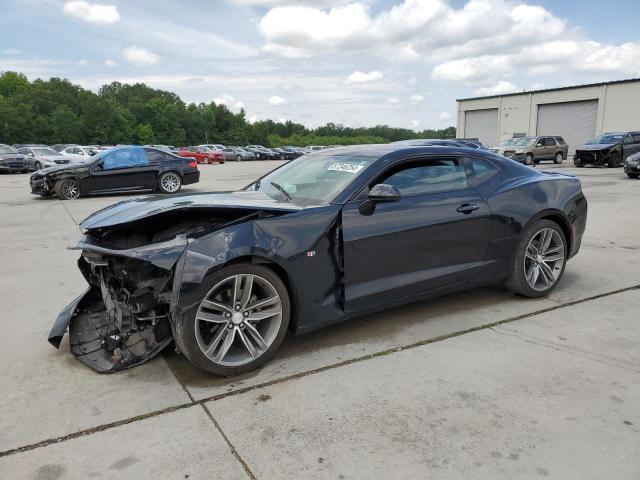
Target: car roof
{"points": [[381, 150]]}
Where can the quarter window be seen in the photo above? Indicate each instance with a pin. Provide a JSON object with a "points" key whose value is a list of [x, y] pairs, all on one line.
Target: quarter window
{"points": [[628, 139], [428, 177]]}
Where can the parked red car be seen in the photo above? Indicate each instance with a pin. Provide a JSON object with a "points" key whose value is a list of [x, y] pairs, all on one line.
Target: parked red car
{"points": [[202, 154]]}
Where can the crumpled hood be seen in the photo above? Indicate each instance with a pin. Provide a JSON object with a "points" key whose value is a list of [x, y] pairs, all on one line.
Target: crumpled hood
{"points": [[67, 167], [143, 207], [596, 146]]}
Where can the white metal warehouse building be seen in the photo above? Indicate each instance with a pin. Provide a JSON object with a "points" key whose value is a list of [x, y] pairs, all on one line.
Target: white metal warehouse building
{"points": [[575, 113]]}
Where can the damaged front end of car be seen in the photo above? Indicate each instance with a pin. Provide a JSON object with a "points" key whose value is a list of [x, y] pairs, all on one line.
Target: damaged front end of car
{"points": [[133, 270]]}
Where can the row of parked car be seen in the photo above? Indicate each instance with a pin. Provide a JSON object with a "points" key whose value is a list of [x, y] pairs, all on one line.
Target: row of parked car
{"points": [[32, 157], [613, 149]]}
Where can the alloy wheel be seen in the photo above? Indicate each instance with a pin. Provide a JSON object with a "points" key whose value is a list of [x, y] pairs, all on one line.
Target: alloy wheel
{"points": [[238, 320], [170, 182], [544, 259], [71, 189]]}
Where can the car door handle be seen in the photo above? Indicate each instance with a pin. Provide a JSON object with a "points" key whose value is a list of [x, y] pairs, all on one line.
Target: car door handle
{"points": [[467, 208]]}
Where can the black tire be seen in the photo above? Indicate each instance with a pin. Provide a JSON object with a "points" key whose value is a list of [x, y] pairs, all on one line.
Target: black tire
{"points": [[578, 162], [518, 282], [67, 189], [536, 161], [613, 161], [633, 175], [167, 180], [185, 329], [238, 158], [37, 166], [528, 160], [558, 158]]}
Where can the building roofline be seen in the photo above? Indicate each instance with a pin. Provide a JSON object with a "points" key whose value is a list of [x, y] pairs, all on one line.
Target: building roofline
{"points": [[527, 92]]}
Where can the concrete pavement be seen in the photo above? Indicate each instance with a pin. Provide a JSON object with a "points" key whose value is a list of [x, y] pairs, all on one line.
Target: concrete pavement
{"points": [[415, 392]]}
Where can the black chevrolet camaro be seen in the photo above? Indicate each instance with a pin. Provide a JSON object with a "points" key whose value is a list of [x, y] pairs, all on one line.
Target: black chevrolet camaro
{"points": [[326, 237], [121, 169]]}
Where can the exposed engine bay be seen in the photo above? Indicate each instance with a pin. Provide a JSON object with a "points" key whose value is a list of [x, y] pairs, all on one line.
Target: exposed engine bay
{"points": [[124, 318]]}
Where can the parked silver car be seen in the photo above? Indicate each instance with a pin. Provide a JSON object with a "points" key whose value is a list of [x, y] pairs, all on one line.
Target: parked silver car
{"points": [[43, 157], [237, 154]]}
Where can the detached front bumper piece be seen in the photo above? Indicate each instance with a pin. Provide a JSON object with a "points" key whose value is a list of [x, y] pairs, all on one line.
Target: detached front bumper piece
{"points": [[123, 318]]}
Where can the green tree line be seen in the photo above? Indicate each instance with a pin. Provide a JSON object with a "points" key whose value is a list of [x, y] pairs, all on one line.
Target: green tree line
{"points": [[57, 111]]}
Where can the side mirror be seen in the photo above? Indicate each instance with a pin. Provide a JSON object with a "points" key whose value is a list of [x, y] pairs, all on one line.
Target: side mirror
{"points": [[383, 193], [380, 193]]}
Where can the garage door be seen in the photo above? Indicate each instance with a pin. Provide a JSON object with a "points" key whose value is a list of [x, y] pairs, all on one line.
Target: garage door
{"points": [[482, 124], [574, 121]]}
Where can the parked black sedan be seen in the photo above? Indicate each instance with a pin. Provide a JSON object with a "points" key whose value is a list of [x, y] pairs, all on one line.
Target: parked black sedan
{"points": [[326, 237], [609, 149], [121, 169]]}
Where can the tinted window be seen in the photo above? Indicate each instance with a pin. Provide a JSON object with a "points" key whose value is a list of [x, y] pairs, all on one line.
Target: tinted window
{"points": [[482, 170], [155, 156], [636, 138], [123, 157], [549, 142], [428, 177], [628, 139]]}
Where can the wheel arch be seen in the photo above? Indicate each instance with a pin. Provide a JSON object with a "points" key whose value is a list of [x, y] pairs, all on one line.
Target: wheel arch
{"points": [[559, 218]]}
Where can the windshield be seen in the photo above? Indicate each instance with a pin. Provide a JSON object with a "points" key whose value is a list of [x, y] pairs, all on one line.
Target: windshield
{"points": [[526, 142], [7, 149], [606, 138], [312, 180], [45, 151], [506, 143]]}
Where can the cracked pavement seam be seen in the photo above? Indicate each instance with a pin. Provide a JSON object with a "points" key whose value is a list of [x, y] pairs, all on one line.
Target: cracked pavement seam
{"points": [[296, 376]]}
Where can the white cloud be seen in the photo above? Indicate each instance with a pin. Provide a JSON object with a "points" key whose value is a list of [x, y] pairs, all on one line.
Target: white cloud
{"points": [[11, 51], [109, 62], [82, 62], [499, 88], [364, 77], [229, 101], [416, 99], [275, 101], [140, 56], [444, 116], [92, 12], [414, 124], [394, 100]]}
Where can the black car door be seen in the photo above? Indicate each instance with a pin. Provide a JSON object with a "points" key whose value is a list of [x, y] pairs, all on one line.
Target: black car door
{"points": [[630, 145], [435, 235], [118, 170]]}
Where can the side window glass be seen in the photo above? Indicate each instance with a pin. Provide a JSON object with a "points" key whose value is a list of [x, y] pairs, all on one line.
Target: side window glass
{"points": [[157, 157], [123, 158], [428, 177], [636, 138], [550, 142], [628, 139], [482, 170]]}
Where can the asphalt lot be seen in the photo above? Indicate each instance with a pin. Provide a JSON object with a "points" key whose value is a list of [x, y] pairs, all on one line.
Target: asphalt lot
{"points": [[482, 384]]}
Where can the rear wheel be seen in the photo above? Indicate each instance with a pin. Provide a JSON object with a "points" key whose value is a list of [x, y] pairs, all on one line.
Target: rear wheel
{"points": [[240, 322], [169, 182], [68, 189], [539, 260], [558, 158]]}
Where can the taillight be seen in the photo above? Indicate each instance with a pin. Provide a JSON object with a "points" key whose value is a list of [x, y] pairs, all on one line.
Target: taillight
{"points": [[193, 164]]}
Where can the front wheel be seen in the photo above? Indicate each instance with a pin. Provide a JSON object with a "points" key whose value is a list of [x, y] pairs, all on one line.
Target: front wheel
{"points": [[633, 175], [37, 166], [612, 162], [539, 261], [239, 323], [68, 189], [558, 158], [169, 182]]}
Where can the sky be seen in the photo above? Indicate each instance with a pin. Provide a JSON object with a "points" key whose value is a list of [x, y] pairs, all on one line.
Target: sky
{"points": [[356, 62]]}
